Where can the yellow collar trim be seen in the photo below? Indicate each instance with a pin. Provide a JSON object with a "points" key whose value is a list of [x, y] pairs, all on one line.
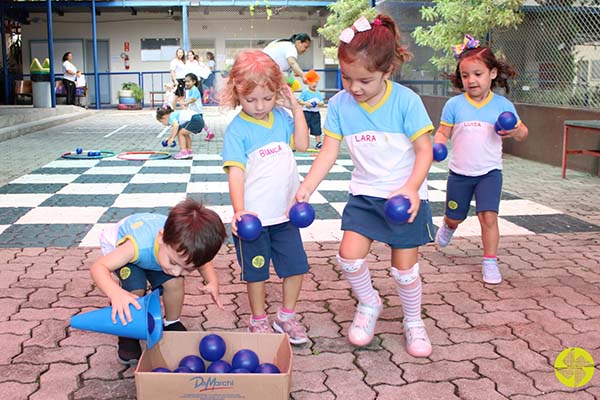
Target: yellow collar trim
{"points": [[481, 103], [266, 124], [381, 102]]}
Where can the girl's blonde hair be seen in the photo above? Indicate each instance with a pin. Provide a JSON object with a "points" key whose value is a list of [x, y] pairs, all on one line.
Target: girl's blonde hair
{"points": [[251, 68]]}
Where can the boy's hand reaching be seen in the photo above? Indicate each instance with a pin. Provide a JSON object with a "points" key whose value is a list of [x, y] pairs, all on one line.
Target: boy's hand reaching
{"points": [[212, 288], [120, 306]]}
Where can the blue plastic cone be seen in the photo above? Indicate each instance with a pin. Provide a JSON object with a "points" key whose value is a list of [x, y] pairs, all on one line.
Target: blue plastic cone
{"points": [[146, 323]]}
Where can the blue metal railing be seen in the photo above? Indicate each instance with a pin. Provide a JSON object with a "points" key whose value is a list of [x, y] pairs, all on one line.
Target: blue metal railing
{"points": [[153, 81]]}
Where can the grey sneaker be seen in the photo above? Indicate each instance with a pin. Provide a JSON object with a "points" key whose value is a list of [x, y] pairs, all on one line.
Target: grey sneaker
{"points": [[444, 235], [293, 328], [490, 271]]}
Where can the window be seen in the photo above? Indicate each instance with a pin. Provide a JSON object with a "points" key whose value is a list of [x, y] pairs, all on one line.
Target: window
{"points": [[159, 49]]}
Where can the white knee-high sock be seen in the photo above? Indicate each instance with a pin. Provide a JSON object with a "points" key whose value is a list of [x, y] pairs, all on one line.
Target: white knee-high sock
{"points": [[358, 276], [410, 291]]}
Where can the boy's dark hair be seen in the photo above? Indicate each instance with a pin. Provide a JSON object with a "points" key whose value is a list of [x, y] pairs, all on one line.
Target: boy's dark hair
{"points": [[162, 111], [194, 231], [486, 56]]}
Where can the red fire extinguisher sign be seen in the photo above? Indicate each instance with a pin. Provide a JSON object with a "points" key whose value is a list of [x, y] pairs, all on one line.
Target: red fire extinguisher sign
{"points": [[126, 46]]}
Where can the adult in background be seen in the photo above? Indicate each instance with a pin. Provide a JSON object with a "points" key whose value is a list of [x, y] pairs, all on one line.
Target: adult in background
{"points": [[70, 74], [178, 71], [285, 52]]}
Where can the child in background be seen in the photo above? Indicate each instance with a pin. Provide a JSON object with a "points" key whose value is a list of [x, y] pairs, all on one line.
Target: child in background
{"points": [[161, 250], [476, 159], [169, 96], [263, 178], [385, 126], [183, 123], [311, 98], [193, 101]]}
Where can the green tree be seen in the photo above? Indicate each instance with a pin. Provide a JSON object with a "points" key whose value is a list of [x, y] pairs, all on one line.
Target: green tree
{"points": [[342, 14], [455, 18]]}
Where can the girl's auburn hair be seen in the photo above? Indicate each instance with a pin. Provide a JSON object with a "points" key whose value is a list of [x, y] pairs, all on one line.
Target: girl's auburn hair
{"points": [[379, 48], [251, 68]]}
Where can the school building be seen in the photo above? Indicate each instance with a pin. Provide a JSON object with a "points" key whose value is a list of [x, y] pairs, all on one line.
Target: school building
{"points": [[136, 40]]}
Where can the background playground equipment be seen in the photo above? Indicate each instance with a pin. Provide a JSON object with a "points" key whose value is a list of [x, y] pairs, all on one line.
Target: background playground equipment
{"points": [[293, 83], [131, 96], [146, 323], [143, 155], [269, 348], [311, 76], [81, 154]]}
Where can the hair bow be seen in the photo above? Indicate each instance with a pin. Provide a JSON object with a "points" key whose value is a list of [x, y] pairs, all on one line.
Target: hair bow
{"points": [[361, 25], [468, 43]]}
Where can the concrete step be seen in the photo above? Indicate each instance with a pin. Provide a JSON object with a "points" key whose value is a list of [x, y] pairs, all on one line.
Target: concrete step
{"points": [[19, 120]]}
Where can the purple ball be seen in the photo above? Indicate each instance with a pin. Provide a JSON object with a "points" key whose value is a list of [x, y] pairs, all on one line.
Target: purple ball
{"points": [[239, 371], [219, 367], [507, 120], [212, 347], [440, 151], [302, 214], [396, 210], [249, 227], [245, 358], [267, 368], [161, 369], [194, 363]]}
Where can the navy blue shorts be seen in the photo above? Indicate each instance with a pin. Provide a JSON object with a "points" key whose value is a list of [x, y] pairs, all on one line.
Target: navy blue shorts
{"points": [[460, 190], [133, 277], [365, 215], [281, 243], [194, 125], [313, 120]]}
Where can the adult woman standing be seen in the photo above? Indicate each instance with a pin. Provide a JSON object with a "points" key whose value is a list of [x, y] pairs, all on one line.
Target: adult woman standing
{"points": [[285, 52], [178, 70], [70, 74]]}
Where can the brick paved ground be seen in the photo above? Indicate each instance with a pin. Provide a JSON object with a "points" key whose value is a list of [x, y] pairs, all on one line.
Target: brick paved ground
{"points": [[490, 342]]}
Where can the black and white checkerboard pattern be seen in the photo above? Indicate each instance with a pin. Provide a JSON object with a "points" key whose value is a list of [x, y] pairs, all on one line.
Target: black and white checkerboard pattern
{"points": [[68, 202]]}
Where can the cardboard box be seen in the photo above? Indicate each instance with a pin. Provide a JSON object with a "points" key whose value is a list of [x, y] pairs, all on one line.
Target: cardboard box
{"points": [[273, 348]]}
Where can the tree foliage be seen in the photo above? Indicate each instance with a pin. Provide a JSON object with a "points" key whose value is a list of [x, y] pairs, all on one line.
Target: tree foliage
{"points": [[455, 18], [342, 14]]}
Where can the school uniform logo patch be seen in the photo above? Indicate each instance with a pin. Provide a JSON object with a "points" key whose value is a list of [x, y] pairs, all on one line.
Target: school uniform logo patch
{"points": [[258, 262], [452, 205], [125, 273]]}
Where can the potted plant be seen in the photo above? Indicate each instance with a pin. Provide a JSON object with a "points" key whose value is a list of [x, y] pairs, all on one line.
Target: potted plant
{"points": [[130, 96]]}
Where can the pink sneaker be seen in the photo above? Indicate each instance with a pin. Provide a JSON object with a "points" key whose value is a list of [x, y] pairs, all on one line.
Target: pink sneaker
{"points": [[295, 330], [362, 330], [190, 153], [209, 136], [417, 341], [261, 326], [182, 155]]}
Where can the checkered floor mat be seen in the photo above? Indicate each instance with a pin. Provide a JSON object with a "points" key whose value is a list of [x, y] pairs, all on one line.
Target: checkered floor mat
{"points": [[68, 202]]}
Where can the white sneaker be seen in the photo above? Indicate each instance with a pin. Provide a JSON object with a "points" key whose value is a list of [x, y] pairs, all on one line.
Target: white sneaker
{"points": [[490, 271], [444, 235], [417, 341], [362, 330]]}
